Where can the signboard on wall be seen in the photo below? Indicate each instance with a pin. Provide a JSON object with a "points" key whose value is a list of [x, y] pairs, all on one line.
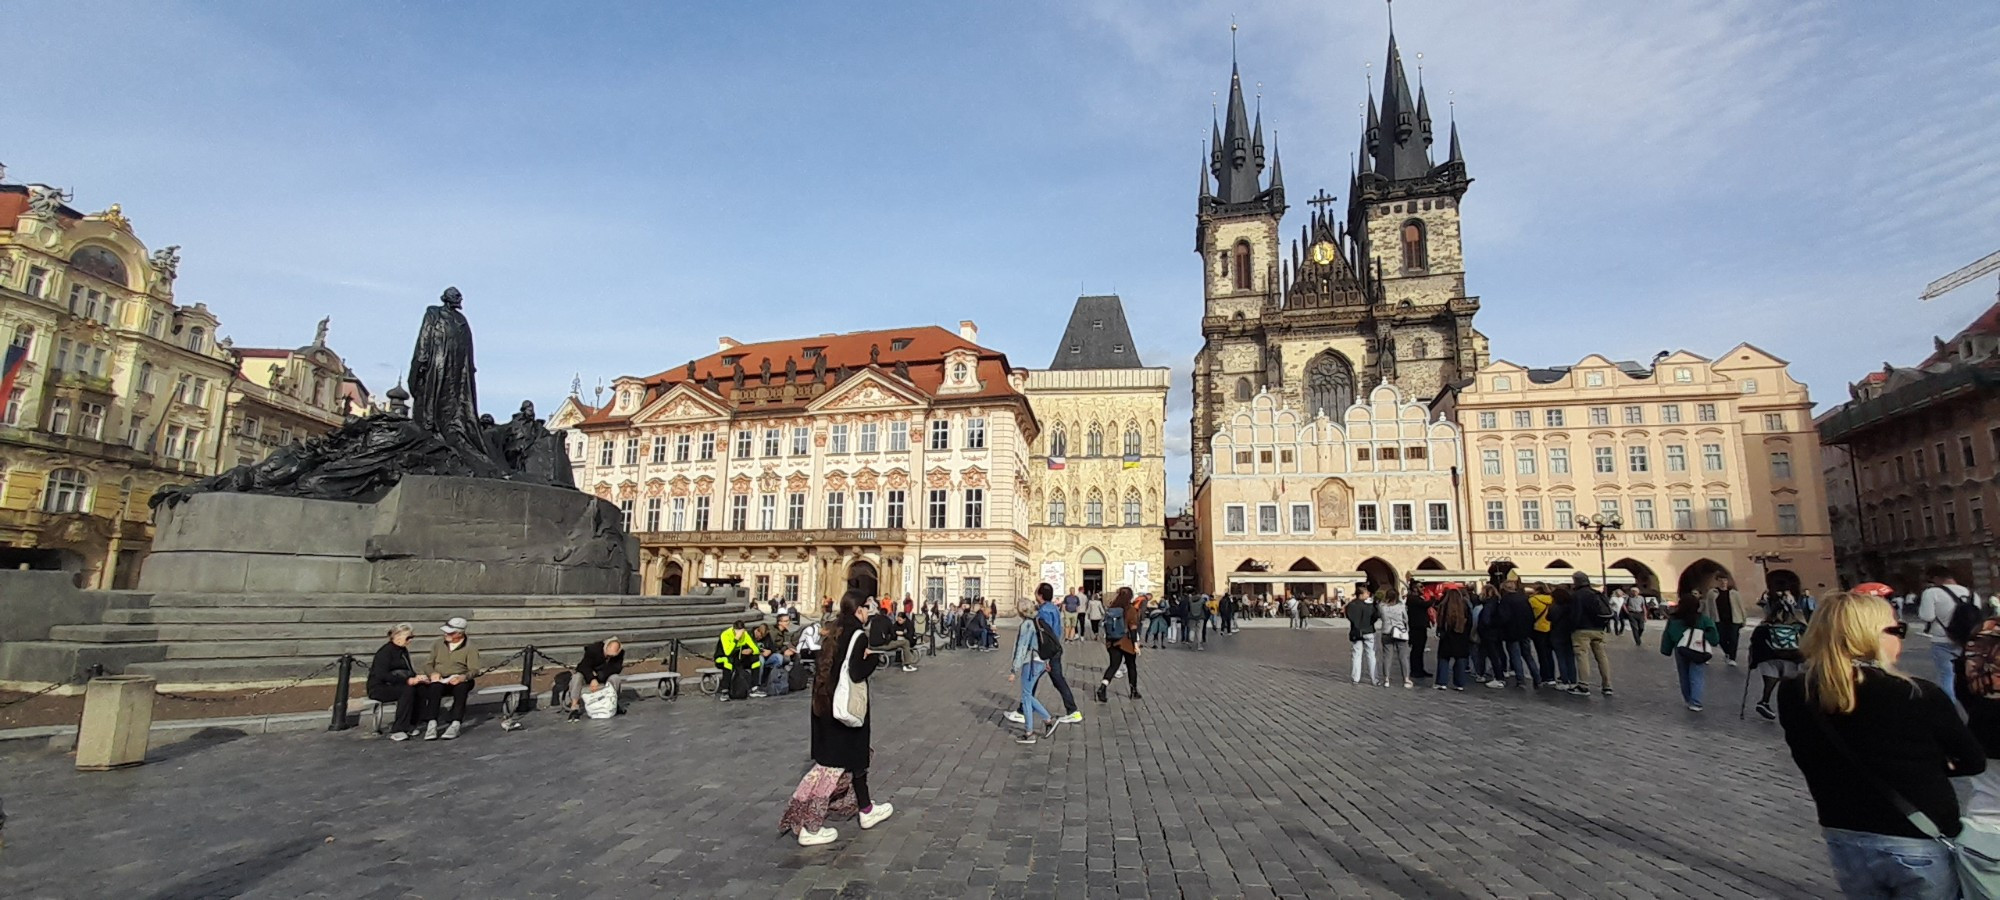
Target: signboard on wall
{"points": [[1052, 572], [1137, 577]]}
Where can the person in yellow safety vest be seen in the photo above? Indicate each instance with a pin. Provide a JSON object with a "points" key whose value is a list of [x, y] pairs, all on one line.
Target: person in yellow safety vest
{"points": [[739, 658]]}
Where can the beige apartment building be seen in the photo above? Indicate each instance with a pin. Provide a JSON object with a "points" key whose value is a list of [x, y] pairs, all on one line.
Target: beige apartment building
{"points": [[281, 394], [1098, 472], [892, 461], [1710, 466], [1300, 506]]}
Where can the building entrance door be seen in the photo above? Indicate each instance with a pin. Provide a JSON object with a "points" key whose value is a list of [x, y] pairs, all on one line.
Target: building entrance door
{"points": [[1093, 582]]}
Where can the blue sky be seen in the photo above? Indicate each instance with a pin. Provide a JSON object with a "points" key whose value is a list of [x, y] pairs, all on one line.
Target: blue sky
{"points": [[615, 185]]}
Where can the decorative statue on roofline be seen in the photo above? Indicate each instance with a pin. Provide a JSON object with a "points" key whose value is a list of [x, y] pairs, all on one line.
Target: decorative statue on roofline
{"points": [[433, 428]]}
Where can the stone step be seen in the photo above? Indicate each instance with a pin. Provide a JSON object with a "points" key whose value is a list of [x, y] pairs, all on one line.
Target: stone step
{"points": [[422, 616], [260, 635], [169, 600]]}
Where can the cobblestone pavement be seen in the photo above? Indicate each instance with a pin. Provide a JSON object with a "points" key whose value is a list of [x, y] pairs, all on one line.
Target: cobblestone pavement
{"points": [[1251, 770]]}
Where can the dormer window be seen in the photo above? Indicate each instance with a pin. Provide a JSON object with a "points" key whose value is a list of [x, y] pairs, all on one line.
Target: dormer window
{"points": [[100, 262], [1683, 376], [1097, 323], [1503, 383], [729, 361], [1075, 349], [1118, 348], [1593, 379], [899, 344], [959, 372], [812, 352]]}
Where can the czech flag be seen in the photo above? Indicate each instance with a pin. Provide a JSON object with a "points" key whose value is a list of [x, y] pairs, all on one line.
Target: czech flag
{"points": [[1057, 462], [17, 357]]}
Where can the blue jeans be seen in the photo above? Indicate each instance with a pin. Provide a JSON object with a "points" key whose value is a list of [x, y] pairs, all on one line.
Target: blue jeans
{"points": [[1521, 658], [1565, 656], [1884, 866], [1031, 673], [1692, 675], [1459, 669], [1943, 652]]}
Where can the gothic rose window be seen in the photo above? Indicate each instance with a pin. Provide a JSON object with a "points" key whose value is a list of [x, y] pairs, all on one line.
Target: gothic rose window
{"points": [[1329, 386]]}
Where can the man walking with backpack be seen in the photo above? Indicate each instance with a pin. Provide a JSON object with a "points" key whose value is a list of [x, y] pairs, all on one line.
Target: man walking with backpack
{"points": [[1592, 615], [1050, 622], [1950, 613]]}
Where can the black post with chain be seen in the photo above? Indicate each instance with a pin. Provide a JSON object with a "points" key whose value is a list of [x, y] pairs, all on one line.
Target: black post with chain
{"points": [[674, 655], [340, 688], [527, 680]]}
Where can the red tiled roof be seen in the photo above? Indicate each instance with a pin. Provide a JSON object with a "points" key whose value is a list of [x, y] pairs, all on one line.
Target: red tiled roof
{"points": [[924, 355], [1988, 323]]}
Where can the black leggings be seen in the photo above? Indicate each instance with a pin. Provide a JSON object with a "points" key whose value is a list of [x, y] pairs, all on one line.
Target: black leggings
{"points": [[861, 789], [1131, 661]]}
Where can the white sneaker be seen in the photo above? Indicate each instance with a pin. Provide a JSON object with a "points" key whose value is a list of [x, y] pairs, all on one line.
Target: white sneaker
{"points": [[1073, 718], [399, 736], [1408, 683], [1017, 718], [825, 835], [431, 731], [873, 817], [451, 731], [909, 668]]}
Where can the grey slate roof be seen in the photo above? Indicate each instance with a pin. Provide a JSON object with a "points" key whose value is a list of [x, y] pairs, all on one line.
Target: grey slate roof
{"points": [[1097, 337]]}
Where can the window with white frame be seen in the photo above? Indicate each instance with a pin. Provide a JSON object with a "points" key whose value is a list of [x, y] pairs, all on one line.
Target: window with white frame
{"points": [[652, 514], [836, 509], [1704, 412], [1776, 422], [1670, 413], [975, 507], [1496, 515], [1531, 515], [707, 447], [1133, 509], [59, 415], [1683, 376], [1489, 420], [1302, 518], [795, 510], [1605, 462], [739, 512], [1367, 518], [1711, 457], [767, 512], [870, 437], [683, 447], [625, 519], [1558, 460], [1600, 415], [1233, 519], [899, 437], [66, 491], [1642, 514], [679, 519], [1058, 509], [606, 451], [864, 509], [836, 439], [773, 439], [1489, 462], [936, 507], [1565, 511], [892, 509], [1749, 385], [1593, 379], [975, 433], [1267, 518], [1781, 465], [801, 440], [659, 449], [1524, 418], [1609, 509], [1638, 458], [1788, 518], [971, 586], [1439, 515], [743, 439], [940, 435], [1552, 418], [1402, 517], [1683, 513], [701, 505], [1718, 512], [632, 451], [1524, 461], [90, 421], [1677, 458], [1635, 415]]}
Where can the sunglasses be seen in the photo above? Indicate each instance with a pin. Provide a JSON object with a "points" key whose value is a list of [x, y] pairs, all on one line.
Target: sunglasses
{"points": [[1899, 630]]}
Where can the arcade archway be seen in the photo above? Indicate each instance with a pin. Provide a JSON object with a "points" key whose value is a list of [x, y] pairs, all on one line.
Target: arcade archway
{"points": [[861, 577]]}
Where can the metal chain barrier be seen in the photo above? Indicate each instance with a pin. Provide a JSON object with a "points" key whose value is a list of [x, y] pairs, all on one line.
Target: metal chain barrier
{"points": [[27, 697], [302, 679], [499, 665]]}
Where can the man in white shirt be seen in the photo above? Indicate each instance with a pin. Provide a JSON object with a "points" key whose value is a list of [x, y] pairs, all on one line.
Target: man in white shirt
{"points": [[1934, 610]]}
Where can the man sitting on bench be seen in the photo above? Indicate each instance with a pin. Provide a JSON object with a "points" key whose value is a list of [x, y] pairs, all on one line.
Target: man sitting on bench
{"points": [[448, 671], [778, 656], [598, 669], [883, 638], [736, 654]]}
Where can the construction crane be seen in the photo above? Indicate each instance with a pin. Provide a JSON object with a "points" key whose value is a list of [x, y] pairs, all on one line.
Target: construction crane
{"points": [[1962, 277]]}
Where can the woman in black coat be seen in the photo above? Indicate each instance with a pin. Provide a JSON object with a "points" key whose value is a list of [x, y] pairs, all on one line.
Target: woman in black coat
{"points": [[1454, 639], [837, 784], [393, 679]]}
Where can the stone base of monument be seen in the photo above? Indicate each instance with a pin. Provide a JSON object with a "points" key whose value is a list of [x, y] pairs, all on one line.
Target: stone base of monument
{"points": [[250, 590], [429, 535]]}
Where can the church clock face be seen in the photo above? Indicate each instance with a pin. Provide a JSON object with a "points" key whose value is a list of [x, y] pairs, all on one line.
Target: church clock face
{"points": [[1322, 253]]}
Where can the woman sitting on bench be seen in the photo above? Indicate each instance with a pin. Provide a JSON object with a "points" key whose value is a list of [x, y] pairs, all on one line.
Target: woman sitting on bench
{"points": [[392, 678]]}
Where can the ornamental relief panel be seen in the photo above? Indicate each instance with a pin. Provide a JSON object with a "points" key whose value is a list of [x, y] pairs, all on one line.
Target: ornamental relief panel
{"points": [[768, 482], [656, 488], [974, 477], [627, 490], [603, 491], [937, 478], [797, 482], [679, 486], [897, 479], [866, 479], [704, 484], [836, 480], [739, 485]]}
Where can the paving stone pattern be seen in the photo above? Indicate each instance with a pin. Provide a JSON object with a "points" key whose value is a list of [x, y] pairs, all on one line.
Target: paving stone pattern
{"points": [[1251, 770]]}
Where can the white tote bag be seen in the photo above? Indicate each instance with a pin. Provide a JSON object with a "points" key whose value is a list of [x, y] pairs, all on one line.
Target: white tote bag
{"points": [[601, 703], [850, 698]]}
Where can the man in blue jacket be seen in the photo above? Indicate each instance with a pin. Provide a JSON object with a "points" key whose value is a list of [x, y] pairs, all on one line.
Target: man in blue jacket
{"points": [[1052, 616]]}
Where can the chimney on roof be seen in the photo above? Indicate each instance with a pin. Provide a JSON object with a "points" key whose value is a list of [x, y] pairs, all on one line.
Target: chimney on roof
{"points": [[968, 330], [727, 343]]}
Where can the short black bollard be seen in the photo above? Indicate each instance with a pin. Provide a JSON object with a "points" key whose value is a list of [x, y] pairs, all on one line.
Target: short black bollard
{"points": [[340, 694], [674, 655], [527, 680]]}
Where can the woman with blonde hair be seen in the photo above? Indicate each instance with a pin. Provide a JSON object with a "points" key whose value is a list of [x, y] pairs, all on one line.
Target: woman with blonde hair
{"points": [[1869, 740], [392, 678]]}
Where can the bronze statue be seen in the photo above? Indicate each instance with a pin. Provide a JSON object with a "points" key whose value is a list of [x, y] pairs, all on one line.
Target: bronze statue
{"points": [[444, 398]]}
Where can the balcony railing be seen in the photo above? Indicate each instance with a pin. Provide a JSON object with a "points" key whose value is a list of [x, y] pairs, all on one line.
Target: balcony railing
{"points": [[1927, 391], [783, 537]]}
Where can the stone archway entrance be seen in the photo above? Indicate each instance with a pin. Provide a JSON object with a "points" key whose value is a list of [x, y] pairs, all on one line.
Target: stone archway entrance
{"points": [[1642, 575], [1380, 574], [862, 577], [1305, 590], [1700, 576], [1092, 578], [671, 579]]}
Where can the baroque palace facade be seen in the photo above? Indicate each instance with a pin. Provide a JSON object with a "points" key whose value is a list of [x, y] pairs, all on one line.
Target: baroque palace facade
{"points": [[116, 389], [1097, 474], [893, 461]]}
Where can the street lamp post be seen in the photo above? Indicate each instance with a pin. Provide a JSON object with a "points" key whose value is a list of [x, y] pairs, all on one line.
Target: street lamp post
{"points": [[1594, 527]]}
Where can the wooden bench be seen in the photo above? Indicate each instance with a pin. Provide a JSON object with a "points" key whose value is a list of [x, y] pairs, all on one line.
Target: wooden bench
{"points": [[511, 697], [668, 684], [367, 706], [711, 680]]}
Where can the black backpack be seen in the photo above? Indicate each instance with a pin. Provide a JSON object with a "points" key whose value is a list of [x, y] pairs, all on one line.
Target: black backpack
{"points": [[1597, 614], [1965, 617], [1048, 645]]}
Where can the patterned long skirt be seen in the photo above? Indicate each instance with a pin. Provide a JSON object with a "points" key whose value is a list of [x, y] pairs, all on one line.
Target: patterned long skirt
{"points": [[824, 793]]}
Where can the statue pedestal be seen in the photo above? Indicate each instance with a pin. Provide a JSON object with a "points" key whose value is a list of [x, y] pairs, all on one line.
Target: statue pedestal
{"points": [[428, 535]]}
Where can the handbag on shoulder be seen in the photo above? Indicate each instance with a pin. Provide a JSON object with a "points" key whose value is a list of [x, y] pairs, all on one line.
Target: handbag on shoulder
{"points": [[850, 697]]}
